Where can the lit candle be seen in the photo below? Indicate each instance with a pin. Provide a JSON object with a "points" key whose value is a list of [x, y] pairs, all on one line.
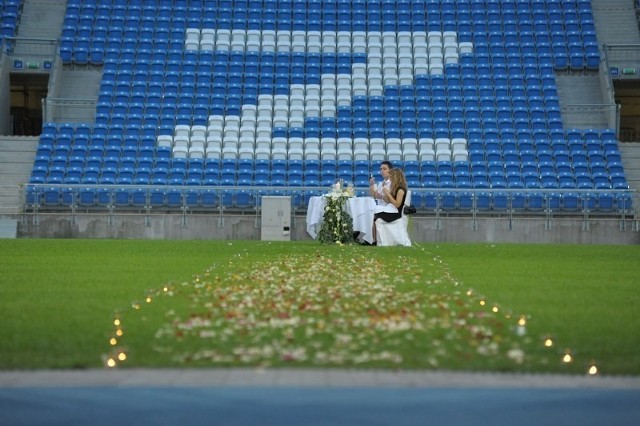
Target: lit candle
{"points": [[521, 329]]}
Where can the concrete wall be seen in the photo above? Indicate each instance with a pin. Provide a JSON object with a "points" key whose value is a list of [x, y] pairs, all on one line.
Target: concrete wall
{"points": [[247, 227], [5, 95]]}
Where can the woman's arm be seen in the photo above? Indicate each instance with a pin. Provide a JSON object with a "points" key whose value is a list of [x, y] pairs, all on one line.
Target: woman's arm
{"points": [[397, 200]]}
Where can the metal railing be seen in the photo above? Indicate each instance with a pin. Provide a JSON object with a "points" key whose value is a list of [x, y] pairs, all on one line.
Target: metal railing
{"points": [[68, 110], [582, 204], [28, 47], [591, 115]]}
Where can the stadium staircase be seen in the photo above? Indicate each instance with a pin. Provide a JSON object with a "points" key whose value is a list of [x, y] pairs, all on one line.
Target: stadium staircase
{"points": [[615, 21], [16, 161], [41, 18]]}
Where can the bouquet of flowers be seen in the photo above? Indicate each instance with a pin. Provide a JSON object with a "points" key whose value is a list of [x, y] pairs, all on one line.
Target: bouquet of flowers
{"points": [[337, 225], [339, 190]]}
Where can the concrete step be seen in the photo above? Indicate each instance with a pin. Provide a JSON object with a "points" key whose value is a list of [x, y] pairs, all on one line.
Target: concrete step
{"points": [[630, 153], [16, 161], [41, 18], [80, 83], [615, 21]]}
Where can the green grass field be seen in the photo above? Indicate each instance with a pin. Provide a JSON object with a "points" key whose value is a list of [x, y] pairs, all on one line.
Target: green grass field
{"points": [[251, 303]]}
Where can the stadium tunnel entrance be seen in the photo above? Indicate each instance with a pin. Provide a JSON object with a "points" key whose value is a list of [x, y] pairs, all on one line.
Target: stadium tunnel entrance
{"points": [[25, 103]]}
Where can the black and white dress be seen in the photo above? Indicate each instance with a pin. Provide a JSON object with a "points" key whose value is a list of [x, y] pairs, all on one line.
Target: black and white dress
{"points": [[390, 212]]}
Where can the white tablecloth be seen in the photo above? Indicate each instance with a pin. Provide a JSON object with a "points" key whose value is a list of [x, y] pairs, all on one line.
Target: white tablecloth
{"points": [[359, 208]]}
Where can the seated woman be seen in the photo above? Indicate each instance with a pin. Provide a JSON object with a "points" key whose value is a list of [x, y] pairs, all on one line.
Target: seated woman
{"points": [[395, 196]]}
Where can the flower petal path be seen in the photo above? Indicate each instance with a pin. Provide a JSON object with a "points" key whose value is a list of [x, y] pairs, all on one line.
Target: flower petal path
{"points": [[342, 309]]}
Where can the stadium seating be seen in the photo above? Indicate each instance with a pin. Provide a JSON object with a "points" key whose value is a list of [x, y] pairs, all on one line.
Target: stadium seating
{"points": [[462, 91]]}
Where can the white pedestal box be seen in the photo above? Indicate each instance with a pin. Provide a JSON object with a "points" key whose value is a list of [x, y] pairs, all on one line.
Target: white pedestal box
{"points": [[276, 218]]}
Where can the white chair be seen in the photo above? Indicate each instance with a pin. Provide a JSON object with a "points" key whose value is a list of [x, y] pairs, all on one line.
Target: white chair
{"points": [[344, 42], [238, 40], [296, 119], [208, 35], [345, 149], [279, 148], [181, 140], [214, 133], [246, 148], [450, 37], [298, 40], [214, 149], [377, 150], [295, 150], [360, 89], [269, 40], [230, 149], [458, 144], [466, 47], [359, 38], [165, 141], [192, 34], [296, 103], [361, 149], [312, 149], [394, 233], [313, 44], [394, 149], [182, 130], [410, 149], [216, 120], [263, 148], [280, 120], [223, 39], [427, 153], [283, 41], [329, 42], [198, 131], [419, 37], [343, 97], [328, 150], [436, 68], [180, 148], [253, 40], [404, 37], [434, 37]]}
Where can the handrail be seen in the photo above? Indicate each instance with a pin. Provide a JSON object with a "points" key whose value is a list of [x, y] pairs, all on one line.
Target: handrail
{"points": [[582, 194]]}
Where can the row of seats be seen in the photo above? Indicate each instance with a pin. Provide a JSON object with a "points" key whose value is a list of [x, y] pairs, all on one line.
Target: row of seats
{"points": [[133, 14], [123, 197], [10, 11], [591, 158], [308, 11], [285, 14], [556, 163], [161, 158], [424, 174], [207, 66], [433, 43]]}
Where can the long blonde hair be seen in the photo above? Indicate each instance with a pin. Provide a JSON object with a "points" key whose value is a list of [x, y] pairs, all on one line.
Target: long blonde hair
{"points": [[397, 181]]}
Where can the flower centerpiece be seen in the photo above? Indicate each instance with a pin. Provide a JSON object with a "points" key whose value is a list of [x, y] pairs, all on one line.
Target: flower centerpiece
{"points": [[337, 225]]}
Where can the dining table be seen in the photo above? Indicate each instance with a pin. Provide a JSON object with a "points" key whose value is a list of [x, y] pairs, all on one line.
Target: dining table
{"points": [[359, 208]]}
